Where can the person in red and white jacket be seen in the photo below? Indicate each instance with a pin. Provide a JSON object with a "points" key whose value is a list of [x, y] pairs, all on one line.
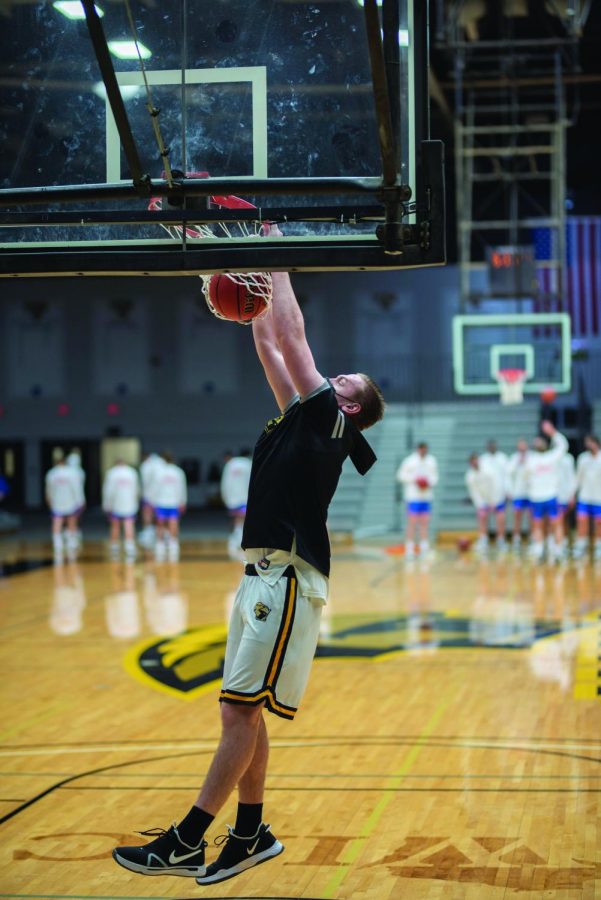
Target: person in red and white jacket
{"points": [[588, 480], [542, 476], [169, 498], [64, 497], [120, 501], [418, 473]]}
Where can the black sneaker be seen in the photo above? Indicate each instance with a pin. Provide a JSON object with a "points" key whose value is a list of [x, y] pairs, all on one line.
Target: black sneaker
{"points": [[240, 854], [167, 855]]}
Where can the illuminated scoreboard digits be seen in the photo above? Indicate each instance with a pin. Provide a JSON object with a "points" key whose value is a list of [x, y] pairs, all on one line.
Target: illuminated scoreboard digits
{"points": [[511, 270]]}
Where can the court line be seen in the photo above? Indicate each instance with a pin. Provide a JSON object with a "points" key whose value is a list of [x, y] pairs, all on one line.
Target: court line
{"points": [[329, 775], [354, 849], [359, 790]]}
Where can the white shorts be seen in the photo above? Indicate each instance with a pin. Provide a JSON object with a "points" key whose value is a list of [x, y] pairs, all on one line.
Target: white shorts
{"points": [[271, 643]]}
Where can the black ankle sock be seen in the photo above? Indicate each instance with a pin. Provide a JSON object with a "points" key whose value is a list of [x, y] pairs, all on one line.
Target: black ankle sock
{"points": [[248, 819], [194, 825]]}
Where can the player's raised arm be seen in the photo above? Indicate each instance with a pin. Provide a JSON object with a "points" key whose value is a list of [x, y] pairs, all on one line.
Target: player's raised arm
{"points": [[272, 360], [289, 328]]}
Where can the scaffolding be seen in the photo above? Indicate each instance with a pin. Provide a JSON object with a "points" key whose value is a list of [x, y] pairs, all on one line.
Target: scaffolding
{"points": [[510, 82]]}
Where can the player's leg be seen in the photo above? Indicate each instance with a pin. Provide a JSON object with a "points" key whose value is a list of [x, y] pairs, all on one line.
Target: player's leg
{"points": [[500, 526], [114, 542], [71, 540], [517, 525], [410, 533], [129, 537], [160, 547], [481, 545], [582, 531], [173, 537], [57, 537], [424, 529], [537, 546], [597, 527]]}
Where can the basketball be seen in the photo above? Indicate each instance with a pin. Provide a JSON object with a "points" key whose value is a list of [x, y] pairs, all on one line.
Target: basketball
{"points": [[234, 301], [463, 544], [548, 395], [422, 483]]}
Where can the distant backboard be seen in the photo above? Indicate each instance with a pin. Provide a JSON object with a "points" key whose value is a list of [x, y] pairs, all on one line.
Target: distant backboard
{"points": [[270, 97], [537, 343]]}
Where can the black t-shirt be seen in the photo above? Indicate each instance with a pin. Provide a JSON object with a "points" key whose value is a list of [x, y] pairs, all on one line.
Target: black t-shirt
{"points": [[295, 471]]}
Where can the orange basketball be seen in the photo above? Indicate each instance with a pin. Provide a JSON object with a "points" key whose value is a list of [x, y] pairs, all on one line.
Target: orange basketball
{"points": [[548, 395], [234, 301]]}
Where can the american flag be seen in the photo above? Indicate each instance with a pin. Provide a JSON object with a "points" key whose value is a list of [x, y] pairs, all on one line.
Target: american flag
{"points": [[582, 292]]}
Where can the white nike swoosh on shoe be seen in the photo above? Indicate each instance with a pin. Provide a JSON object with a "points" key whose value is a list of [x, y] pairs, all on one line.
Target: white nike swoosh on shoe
{"points": [[174, 860], [251, 850]]}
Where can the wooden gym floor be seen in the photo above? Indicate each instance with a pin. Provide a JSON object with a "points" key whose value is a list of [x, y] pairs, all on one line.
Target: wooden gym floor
{"points": [[449, 745]]}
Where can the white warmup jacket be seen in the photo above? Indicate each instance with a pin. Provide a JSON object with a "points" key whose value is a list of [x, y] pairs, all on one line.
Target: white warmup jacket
{"points": [[74, 461], [121, 491], [543, 468], [63, 490], [234, 481], [413, 467], [148, 470], [496, 465], [168, 487], [517, 480], [566, 479], [588, 477], [482, 488]]}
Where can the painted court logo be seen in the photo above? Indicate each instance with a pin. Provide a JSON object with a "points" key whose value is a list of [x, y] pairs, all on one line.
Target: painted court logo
{"points": [[191, 663]]}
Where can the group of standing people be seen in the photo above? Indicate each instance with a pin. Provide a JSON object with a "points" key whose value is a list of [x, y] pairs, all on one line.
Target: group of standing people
{"points": [[159, 488], [543, 482]]}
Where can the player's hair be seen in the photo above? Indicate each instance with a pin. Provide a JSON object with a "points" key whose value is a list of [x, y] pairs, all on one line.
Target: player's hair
{"points": [[422, 444], [594, 438], [167, 456], [372, 404]]}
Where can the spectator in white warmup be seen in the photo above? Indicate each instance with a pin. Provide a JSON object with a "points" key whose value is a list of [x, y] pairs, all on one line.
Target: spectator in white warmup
{"points": [[588, 508], [120, 501], [543, 474], [517, 485], [169, 498], [482, 490], [566, 493], [495, 463], [235, 479], [418, 473], [63, 495], [74, 460], [149, 468]]}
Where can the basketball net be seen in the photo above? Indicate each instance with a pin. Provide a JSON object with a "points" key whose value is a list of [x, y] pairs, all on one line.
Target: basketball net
{"points": [[257, 283], [511, 385]]}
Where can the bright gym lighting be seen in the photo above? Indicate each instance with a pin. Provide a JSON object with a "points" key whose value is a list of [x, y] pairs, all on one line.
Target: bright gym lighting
{"points": [[73, 9], [127, 49]]}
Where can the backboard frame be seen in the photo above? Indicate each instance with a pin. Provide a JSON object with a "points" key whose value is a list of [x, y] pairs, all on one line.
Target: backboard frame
{"points": [[408, 220]]}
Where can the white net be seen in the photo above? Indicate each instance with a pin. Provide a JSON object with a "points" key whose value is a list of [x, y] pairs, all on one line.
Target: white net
{"points": [[511, 386]]}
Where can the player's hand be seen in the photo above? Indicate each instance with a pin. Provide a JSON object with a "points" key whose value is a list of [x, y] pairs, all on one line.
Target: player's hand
{"points": [[548, 427]]}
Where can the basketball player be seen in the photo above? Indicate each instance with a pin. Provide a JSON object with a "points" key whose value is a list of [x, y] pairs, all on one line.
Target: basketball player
{"points": [[169, 498], [63, 495], [149, 467], [588, 478], [234, 493], [120, 501], [518, 489], [566, 496], [418, 473], [74, 460], [482, 490], [495, 463], [542, 473], [275, 621]]}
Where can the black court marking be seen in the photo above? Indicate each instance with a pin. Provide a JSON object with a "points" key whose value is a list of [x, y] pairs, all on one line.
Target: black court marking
{"points": [[23, 566], [424, 743]]}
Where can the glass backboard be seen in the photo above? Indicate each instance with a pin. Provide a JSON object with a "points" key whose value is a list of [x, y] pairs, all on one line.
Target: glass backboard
{"points": [[273, 99]]}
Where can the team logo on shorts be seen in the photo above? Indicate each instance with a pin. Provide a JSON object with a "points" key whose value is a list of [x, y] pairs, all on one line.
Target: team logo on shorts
{"points": [[261, 611], [264, 564]]}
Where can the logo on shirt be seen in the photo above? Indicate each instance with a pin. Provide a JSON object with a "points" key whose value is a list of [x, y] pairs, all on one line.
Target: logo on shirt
{"points": [[261, 611], [264, 564], [272, 424]]}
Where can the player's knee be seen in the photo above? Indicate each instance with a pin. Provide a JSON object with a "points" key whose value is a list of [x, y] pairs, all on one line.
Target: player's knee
{"points": [[234, 715]]}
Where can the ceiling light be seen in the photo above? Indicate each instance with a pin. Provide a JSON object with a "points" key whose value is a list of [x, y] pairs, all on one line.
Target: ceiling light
{"points": [[127, 50], [73, 9]]}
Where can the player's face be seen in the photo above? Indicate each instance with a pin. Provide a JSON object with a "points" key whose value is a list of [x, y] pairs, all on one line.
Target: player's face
{"points": [[539, 444], [522, 446], [348, 388]]}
